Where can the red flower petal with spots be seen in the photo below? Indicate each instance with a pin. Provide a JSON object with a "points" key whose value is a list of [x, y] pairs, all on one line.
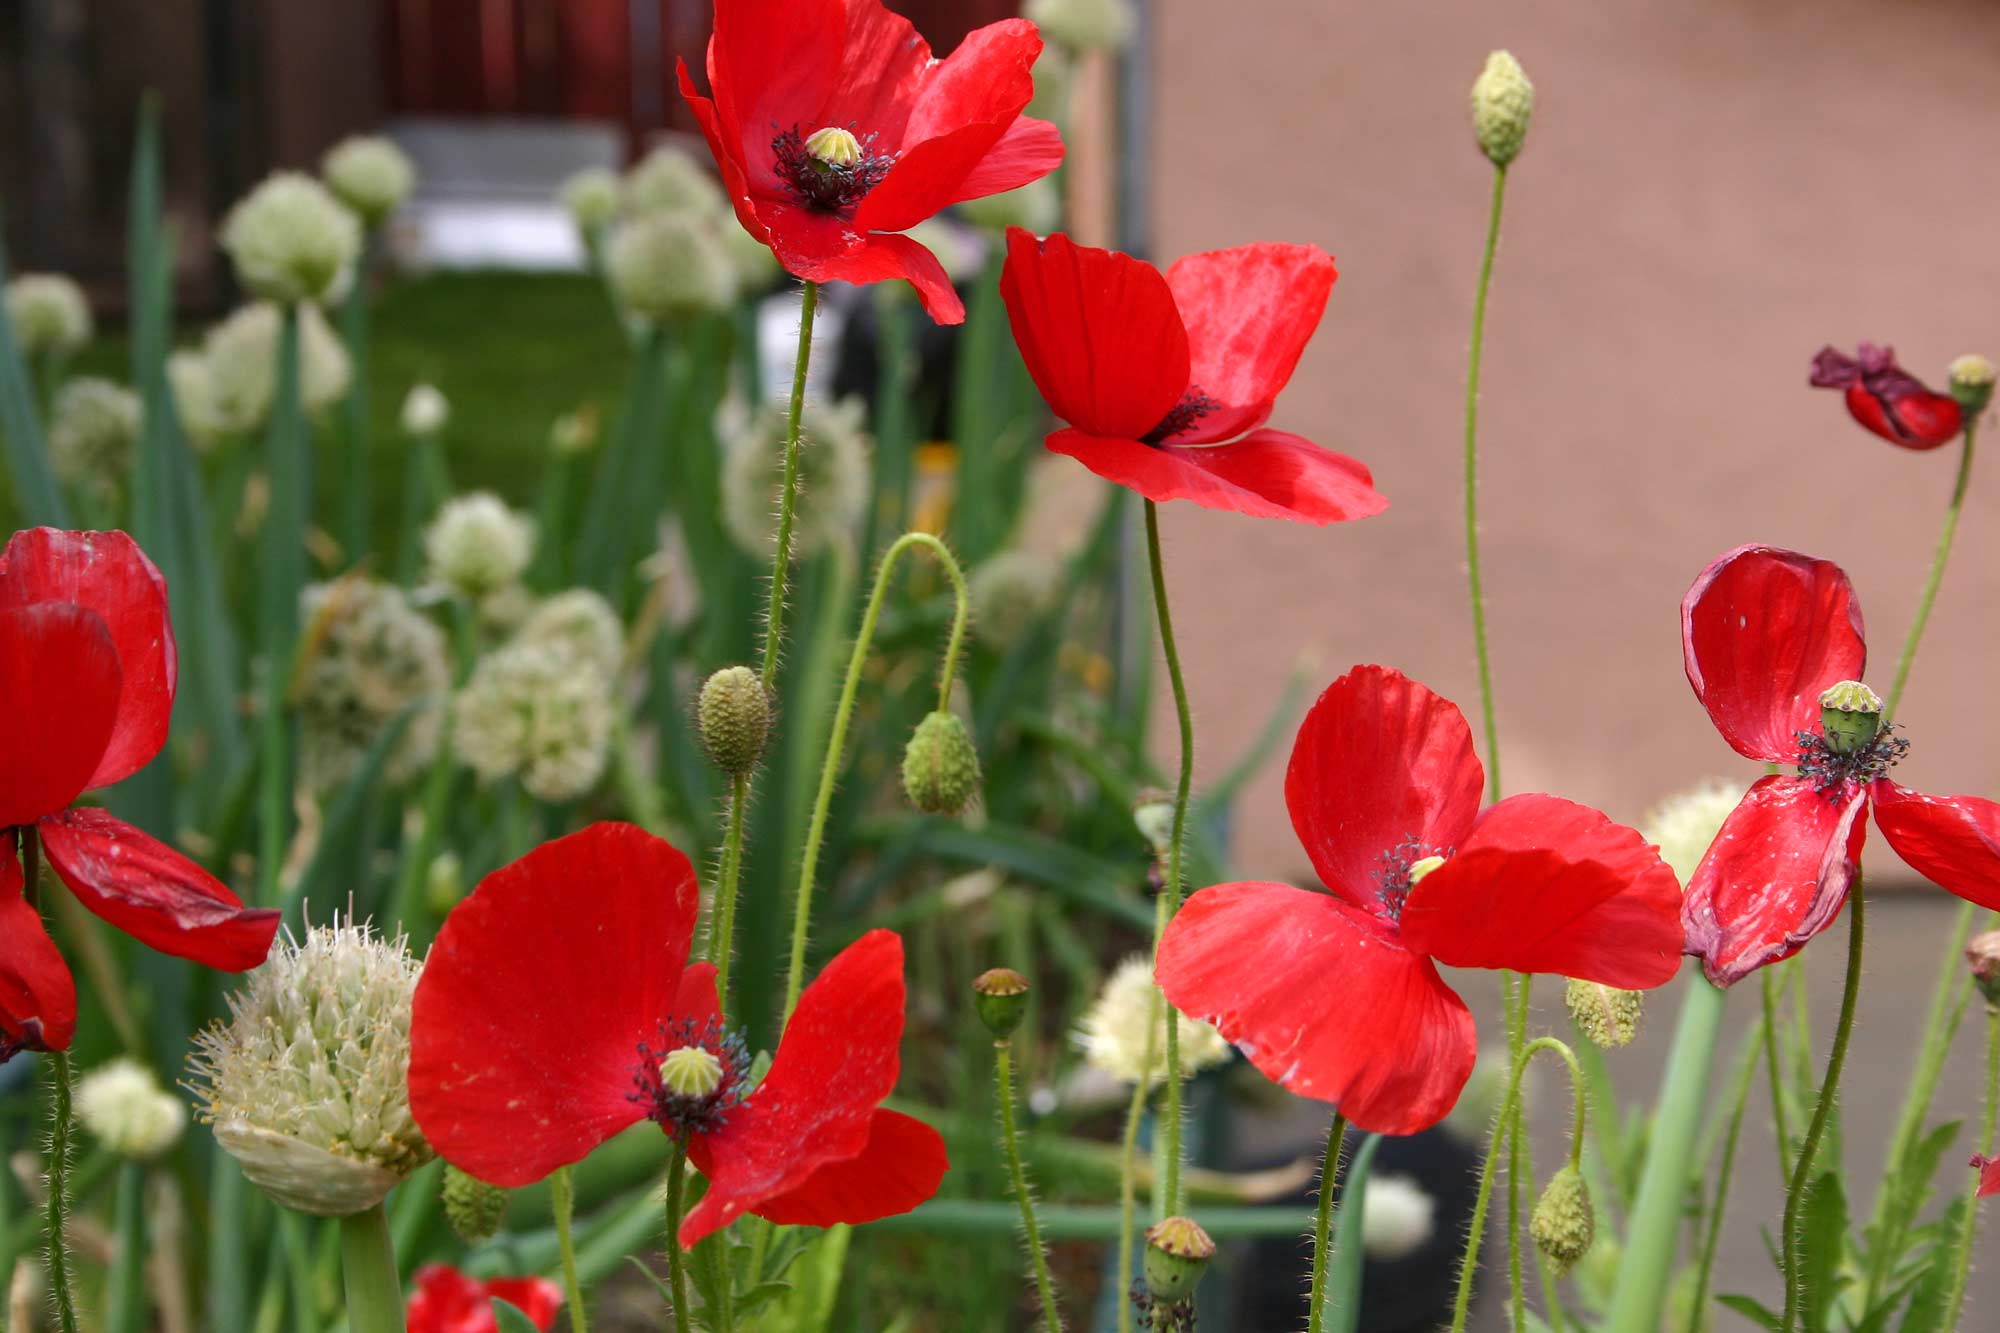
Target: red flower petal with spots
{"points": [[37, 996], [447, 1301], [1763, 632], [1165, 380], [931, 133], [1887, 399], [527, 1021]]}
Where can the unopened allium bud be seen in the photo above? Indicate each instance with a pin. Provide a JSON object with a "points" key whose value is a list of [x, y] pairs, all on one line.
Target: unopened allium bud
{"points": [[1983, 954], [1564, 1223], [474, 1208], [291, 240], [444, 884], [1607, 1015], [671, 180], [1684, 825], [1083, 25], [307, 1084], [591, 196], [1398, 1218], [124, 1106], [833, 477], [369, 658], [1035, 207], [574, 433], [1971, 383], [1153, 816], [1177, 1254], [1124, 1032], [669, 266], [941, 765], [425, 410], [534, 711], [242, 356], [369, 174], [582, 622], [1000, 995], [477, 545], [1850, 714], [1503, 102], [92, 429], [48, 314], [193, 387], [733, 719]]}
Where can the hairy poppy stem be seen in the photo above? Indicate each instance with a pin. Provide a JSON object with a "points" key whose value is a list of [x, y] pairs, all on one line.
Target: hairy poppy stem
{"points": [[1801, 1181], [1476, 585], [56, 1210], [1128, 1164], [1170, 1194], [562, 1200], [1329, 1176], [1769, 986], [836, 744], [722, 931], [676, 1261], [368, 1273], [1031, 1231], [1936, 578], [1968, 1227], [781, 558]]}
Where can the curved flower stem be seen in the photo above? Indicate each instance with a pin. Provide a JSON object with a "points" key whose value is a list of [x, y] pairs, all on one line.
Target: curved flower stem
{"points": [[562, 1199], [676, 1261], [1795, 1192], [1938, 562], [1768, 980], [1502, 1124], [781, 558], [1968, 1228], [722, 930], [368, 1272], [56, 1208], [1171, 891], [1045, 1287], [1329, 1176], [1128, 1164], [843, 712], [1738, 1100], [1476, 586]]}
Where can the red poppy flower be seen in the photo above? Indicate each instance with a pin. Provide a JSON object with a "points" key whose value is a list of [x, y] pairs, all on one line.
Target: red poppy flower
{"points": [[1989, 1175], [88, 670], [1765, 633], [1886, 398], [557, 1008], [447, 1301], [1337, 995], [1166, 382], [835, 131]]}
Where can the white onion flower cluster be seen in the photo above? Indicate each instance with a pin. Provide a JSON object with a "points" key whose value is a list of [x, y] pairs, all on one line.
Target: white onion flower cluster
{"points": [[581, 623], [477, 546], [833, 477], [48, 314], [292, 241], [536, 711], [673, 247], [93, 427], [1685, 824], [125, 1108], [372, 657], [1010, 592], [665, 267], [369, 174], [426, 411], [227, 388], [592, 197], [1127, 1023]]}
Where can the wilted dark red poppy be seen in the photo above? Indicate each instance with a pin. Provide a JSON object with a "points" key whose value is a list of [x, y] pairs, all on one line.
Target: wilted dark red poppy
{"points": [[1166, 381], [88, 670], [1337, 995], [1767, 634], [835, 131], [1989, 1175], [447, 1301], [557, 1008], [1886, 398]]}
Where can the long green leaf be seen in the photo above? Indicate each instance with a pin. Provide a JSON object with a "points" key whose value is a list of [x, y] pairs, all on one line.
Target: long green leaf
{"points": [[1343, 1287], [36, 494]]}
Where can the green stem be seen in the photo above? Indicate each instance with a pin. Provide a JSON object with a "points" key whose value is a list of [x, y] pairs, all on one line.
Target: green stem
{"points": [[358, 505], [125, 1293], [781, 558], [1650, 1245], [1172, 888], [1517, 1170], [836, 744], [722, 933], [1502, 1124], [1045, 1287], [368, 1269], [55, 1217], [1712, 1238], [1475, 584], [1936, 578], [1968, 1228], [1128, 1164], [1795, 1192], [1768, 980], [676, 1201], [1329, 1176], [562, 1201], [281, 569]]}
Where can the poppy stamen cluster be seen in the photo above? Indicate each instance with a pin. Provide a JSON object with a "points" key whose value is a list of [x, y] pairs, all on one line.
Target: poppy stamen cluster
{"points": [[1837, 772], [832, 169], [1193, 406], [696, 1075], [1402, 866]]}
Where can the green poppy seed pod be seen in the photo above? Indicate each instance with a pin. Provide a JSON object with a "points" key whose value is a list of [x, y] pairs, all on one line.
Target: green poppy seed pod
{"points": [[734, 719], [1983, 954], [1607, 1015], [1564, 1223], [1503, 102], [1850, 714], [941, 766], [1177, 1254], [1971, 382], [834, 146], [1001, 996], [473, 1207]]}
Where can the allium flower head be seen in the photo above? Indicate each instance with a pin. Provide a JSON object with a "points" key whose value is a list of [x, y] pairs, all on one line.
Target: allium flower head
{"points": [[307, 1083], [291, 240], [591, 196], [1010, 591], [425, 410], [193, 386], [536, 712], [1083, 25], [669, 266], [581, 622], [127, 1110], [477, 545], [1684, 825], [671, 180], [1127, 1016], [1503, 102], [1398, 1218], [92, 429], [242, 356], [833, 477], [369, 655], [48, 314], [369, 174]]}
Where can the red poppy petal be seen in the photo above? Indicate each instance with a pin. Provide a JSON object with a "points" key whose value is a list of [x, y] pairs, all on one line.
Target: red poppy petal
{"points": [[1763, 632], [1379, 761], [37, 996], [901, 1166], [1288, 975], [1028, 151], [696, 1000], [1919, 421], [534, 1000], [772, 64], [818, 249], [836, 1062], [1098, 331], [1249, 314], [153, 893], [446, 1301], [885, 68], [728, 163], [1547, 885], [1777, 875], [107, 573], [1989, 1175], [536, 1297], [1268, 474], [1953, 841], [59, 675]]}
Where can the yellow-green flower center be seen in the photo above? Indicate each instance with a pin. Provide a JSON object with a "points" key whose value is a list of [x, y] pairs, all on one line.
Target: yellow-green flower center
{"points": [[691, 1071], [1420, 868], [834, 146]]}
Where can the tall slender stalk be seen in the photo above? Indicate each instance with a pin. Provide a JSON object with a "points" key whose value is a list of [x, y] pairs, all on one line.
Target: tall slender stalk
{"points": [[1474, 580], [1768, 984], [1329, 1176], [781, 558], [1968, 1227], [562, 1200], [1935, 579], [722, 931], [1031, 1231], [55, 1209], [1128, 1164], [676, 1261], [1171, 890], [281, 571], [368, 1271]]}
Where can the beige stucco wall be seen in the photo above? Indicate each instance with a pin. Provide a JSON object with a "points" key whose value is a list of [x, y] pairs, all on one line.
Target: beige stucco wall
{"points": [[1710, 192]]}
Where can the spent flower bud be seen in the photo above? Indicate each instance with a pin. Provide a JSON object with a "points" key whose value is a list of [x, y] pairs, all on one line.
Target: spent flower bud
{"points": [[1983, 954], [127, 1110], [1503, 102], [1607, 1015], [1850, 714], [1177, 1254], [1001, 996], [733, 718], [940, 765], [1971, 383], [473, 1207], [1564, 1223]]}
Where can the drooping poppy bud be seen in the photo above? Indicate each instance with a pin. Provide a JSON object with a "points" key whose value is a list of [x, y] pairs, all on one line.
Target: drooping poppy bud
{"points": [[941, 765], [1503, 102], [1983, 954], [1608, 1016], [1001, 996], [733, 718], [1887, 399], [473, 1207], [1564, 1223], [1177, 1254]]}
